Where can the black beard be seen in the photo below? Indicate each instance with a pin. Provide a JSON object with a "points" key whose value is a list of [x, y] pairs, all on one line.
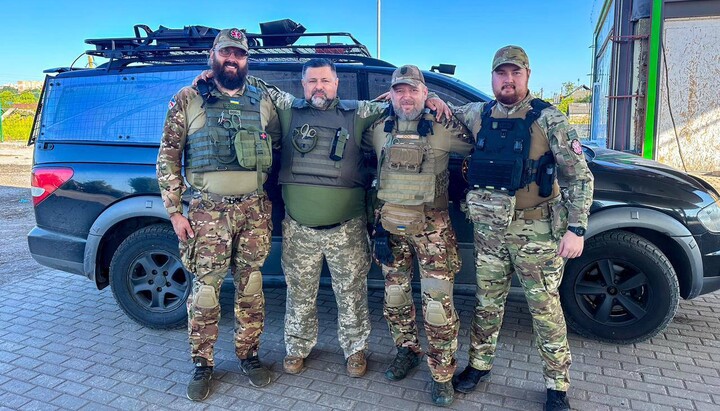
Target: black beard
{"points": [[228, 80]]}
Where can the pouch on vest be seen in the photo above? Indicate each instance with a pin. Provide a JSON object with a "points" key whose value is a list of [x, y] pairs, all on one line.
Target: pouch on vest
{"points": [[403, 220], [405, 157], [253, 148], [338, 145], [491, 208], [545, 174]]}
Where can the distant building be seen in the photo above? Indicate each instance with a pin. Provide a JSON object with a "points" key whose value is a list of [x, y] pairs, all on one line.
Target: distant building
{"points": [[25, 85]]}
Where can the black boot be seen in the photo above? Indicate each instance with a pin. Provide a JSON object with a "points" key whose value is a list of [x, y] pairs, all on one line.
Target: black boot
{"points": [[405, 360], [257, 373], [442, 393], [557, 401], [199, 386], [467, 380]]}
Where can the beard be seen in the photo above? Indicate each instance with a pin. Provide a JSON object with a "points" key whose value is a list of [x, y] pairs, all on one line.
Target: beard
{"points": [[409, 115], [320, 101], [230, 81], [509, 99]]}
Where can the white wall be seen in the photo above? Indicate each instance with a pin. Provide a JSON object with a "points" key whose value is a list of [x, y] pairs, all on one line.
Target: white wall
{"points": [[692, 50]]}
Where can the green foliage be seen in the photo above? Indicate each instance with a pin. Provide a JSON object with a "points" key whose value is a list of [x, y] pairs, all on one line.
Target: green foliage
{"points": [[564, 104], [568, 87], [17, 127], [8, 97], [586, 99]]}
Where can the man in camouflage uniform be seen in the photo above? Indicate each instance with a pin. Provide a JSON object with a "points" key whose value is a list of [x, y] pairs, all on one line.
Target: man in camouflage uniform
{"points": [[323, 182], [228, 220], [409, 186], [527, 233]]}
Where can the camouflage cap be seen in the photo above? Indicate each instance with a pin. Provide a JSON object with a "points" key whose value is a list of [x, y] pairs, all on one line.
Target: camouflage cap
{"points": [[231, 38], [511, 55], [408, 74]]}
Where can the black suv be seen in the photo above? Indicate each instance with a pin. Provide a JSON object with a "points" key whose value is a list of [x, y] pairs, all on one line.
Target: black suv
{"points": [[653, 236]]}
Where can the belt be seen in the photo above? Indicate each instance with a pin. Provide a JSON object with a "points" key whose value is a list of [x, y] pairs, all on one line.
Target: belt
{"points": [[328, 226], [533, 213], [234, 199]]}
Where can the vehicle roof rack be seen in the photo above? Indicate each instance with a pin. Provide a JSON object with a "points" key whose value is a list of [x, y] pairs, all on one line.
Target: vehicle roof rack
{"points": [[192, 43]]}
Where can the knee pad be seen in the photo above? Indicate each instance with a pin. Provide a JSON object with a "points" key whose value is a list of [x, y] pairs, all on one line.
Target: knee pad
{"points": [[435, 314], [395, 296], [436, 290], [205, 297], [254, 284]]}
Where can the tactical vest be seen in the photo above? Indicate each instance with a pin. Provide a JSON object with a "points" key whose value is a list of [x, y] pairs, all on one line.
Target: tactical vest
{"points": [[406, 168], [232, 138], [319, 149], [500, 159]]}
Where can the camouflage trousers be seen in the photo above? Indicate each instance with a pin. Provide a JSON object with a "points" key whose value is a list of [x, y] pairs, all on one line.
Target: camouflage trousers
{"points": [[437, 254], [528, 248], [346, 250], [235, 234]]}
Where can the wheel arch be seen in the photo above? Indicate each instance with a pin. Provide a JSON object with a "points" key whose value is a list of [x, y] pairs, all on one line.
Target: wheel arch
{"points": [[665, 232], [115, 224]]}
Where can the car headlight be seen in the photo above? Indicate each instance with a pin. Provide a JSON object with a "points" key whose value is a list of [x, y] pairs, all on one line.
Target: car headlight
{"points": [[709, 217]]}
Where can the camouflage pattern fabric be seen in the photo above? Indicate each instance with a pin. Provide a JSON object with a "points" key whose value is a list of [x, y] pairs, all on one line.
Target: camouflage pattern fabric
{"points": [[227, 234], [528, 248], [437, 254], [572, 168], [346, 250]]}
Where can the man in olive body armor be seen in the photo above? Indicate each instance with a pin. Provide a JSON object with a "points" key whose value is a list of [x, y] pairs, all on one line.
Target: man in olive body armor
{"points": [[413, 153], [522, 223], [224, 132]]}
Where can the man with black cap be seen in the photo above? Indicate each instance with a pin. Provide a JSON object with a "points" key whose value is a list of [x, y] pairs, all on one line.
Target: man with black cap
{"points": [[224, 131], [413, 151], [523, 221]]}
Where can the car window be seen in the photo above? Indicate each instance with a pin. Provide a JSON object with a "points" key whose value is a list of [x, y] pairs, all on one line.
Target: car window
{"points": [[125, 108], [289, 81]]}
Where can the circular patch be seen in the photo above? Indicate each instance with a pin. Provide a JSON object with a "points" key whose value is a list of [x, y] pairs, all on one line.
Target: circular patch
{"points": [[236, 34], [576, 146]]}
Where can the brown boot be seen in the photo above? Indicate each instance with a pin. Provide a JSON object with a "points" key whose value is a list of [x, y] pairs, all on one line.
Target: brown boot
{"points": [[293, 365], [357, 364]]}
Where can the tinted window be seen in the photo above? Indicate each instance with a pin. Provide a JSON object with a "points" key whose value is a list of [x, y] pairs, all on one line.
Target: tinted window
{"points": [[113, 107], [379, 83], [289, 81]]}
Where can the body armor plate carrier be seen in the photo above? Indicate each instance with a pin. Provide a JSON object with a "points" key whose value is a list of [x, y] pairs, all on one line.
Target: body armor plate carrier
{"points": [[500, 159], [232, 138]]}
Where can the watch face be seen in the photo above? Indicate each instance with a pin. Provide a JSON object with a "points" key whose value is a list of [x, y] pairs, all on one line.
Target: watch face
{"points": [[580, 231]]}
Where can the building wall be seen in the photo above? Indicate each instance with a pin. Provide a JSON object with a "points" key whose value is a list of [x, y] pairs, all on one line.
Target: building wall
{"points": [[689, 98]]}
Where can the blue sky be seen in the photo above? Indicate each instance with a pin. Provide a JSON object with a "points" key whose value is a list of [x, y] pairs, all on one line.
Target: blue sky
{"points": [[557, 34]]}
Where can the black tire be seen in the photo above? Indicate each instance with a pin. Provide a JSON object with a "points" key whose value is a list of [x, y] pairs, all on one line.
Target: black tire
{"points": [[622, 289], [148, 279]]}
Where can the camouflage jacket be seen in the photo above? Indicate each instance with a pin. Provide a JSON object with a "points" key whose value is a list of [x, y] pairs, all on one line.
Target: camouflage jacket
{"points": [[562, 138], [185, 117]]}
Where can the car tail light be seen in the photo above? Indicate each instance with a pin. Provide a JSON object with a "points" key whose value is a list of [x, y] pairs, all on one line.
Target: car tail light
{"points": [[46, 180]]}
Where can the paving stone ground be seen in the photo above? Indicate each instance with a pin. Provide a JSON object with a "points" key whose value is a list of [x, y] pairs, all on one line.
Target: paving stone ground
{"points": [[65, 345]]}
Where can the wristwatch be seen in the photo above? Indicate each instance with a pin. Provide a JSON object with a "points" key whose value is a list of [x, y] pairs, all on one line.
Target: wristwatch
{"points": [[578, 231]]}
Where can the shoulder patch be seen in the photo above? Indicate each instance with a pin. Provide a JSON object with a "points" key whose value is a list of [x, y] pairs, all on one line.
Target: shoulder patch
{"points": [[172, 103], [575, 144]]}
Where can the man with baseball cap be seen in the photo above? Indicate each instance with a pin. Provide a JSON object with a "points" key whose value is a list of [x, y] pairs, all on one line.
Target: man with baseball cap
{"points": [[522, 223], [413, 151], [228, 221]]}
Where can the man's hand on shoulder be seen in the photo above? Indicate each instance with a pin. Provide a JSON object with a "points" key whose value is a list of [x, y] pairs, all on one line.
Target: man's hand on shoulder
{"points": [[440, 108], [205, 76]]}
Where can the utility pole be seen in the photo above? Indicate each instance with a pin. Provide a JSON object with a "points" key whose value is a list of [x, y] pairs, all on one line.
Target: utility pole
{"points": [[378, 28]]}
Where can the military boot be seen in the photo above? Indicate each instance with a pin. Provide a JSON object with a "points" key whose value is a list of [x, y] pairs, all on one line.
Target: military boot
{"points": [[557, 401], [356, 364], [199, 386], [257, 373], [467, 380], [442, 393], [405, 360]]}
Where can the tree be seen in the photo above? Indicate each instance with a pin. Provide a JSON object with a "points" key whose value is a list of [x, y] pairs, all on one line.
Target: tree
{"points": [[567, 88], [26, 98], [564, 104]]}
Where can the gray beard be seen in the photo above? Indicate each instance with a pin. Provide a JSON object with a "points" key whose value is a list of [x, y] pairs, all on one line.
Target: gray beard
{"points": [[320, 102], [413, 115]]}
